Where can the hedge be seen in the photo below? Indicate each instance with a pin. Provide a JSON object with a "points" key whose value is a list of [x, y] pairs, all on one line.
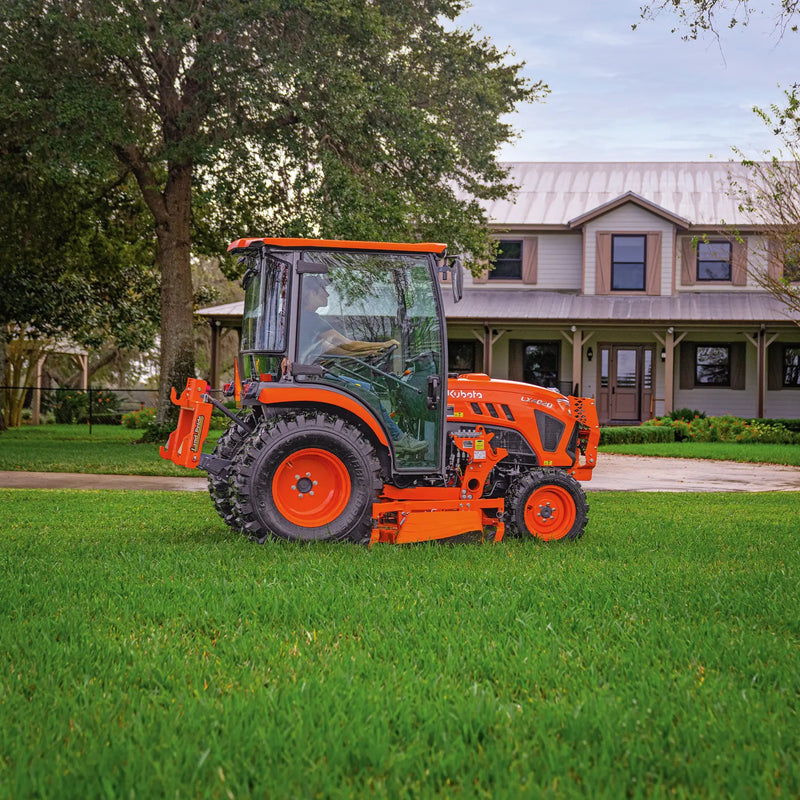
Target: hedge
{"points": [[636, 435]]}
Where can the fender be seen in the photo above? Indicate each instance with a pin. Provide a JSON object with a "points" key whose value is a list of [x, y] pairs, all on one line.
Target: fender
{"points": [[292, 393]]}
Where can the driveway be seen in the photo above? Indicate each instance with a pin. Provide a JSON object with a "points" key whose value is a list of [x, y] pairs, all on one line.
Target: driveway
{"points": [[613, 472]]}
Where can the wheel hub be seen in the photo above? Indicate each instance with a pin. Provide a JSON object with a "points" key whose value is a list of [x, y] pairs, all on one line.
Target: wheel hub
{"points": [[547, 511], [311, 487]]}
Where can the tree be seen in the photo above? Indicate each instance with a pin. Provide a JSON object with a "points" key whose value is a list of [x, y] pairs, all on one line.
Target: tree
{"points": [[770, 194], [363, 118], [73, 265], [696, 17]]}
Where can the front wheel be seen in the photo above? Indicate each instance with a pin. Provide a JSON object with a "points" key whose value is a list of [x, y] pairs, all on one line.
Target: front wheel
{"points": [[307, 479], [547, 504]]}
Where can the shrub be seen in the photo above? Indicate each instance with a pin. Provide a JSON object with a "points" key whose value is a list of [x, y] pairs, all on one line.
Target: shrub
{"points": [[139, 419], [69, 404], [636, 435], [686, 414]]}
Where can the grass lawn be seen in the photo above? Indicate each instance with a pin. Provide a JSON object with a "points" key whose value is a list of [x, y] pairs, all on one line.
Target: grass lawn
{"points": [[726, 451], [148, 651], [111, 450], [108, 450]]}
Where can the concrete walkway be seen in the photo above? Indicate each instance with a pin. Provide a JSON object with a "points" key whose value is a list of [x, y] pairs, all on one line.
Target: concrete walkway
{"points": [[613, 472]]}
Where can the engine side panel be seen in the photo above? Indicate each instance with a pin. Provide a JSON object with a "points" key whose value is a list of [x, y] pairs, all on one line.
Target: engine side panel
{"points": [[541, 416]]}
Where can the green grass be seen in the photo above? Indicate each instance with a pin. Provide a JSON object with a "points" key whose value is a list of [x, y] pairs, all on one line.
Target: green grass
{"points": [[754, 452], [148, 651], [111, 450], [108, 450]]}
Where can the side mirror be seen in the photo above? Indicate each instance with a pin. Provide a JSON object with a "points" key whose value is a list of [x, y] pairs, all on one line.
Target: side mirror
{"points": [[457, 280]]}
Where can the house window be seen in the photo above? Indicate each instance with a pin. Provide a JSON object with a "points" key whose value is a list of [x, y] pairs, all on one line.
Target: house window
{"points": [[462, 356], [507, 265], [791, 366], [628, 258], [713, 261], [791, 263], [712, 366], [540, 362]]}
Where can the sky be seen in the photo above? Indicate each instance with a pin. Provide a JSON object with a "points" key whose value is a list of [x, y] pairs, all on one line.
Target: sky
{"points": [[644, 95]]}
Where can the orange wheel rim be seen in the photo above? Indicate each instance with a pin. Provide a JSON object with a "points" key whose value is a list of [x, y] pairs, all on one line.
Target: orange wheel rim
{"points": [[550, 513], [311, 488]]}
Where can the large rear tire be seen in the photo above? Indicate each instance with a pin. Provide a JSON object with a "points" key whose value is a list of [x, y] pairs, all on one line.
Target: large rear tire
{"points": [[219, 486], [546, 504], [307, 479]]}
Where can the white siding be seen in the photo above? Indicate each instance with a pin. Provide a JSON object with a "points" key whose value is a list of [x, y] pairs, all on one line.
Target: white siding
{"points": [[560, 261], [629, 218]]}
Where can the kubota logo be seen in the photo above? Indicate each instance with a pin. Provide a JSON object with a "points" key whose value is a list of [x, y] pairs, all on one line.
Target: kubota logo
{"points": [[461, 394], [198, 429]]}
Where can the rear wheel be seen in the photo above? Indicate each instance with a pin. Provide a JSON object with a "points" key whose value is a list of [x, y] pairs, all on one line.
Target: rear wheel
{"points": [[307, 479], [547, 504], [219, 485]]}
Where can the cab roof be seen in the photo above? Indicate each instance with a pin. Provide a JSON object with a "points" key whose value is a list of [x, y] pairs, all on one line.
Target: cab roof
{"points": [[241, 245]]}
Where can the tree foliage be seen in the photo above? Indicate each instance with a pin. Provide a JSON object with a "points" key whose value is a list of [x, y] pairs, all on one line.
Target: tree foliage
{"points": [[697, 17], [74, 265], [344, 118], [770, 197]]}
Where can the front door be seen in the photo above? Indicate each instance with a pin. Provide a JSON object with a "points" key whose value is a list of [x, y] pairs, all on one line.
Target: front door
{"points": [[626, 383]]}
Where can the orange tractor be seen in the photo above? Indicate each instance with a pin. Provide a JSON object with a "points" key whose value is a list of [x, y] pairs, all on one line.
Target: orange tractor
{"points": [[348, 425]]}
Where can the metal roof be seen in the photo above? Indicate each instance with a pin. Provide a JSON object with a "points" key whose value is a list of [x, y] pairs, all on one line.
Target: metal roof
{"points": [[530, 305], [553, 193]]}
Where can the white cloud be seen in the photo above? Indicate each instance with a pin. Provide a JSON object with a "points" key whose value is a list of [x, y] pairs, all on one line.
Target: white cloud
{"points": [[619, 94]]}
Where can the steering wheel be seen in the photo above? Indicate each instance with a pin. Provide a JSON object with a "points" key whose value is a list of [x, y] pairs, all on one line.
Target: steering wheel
{"points": [[381, 359]]}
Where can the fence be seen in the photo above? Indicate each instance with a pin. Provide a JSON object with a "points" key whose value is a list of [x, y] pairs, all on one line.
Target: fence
{"points": [[85, 406]]}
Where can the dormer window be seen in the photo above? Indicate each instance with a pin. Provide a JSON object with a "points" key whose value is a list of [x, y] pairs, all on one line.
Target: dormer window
{"points": [[713, 261], [628, 262]]}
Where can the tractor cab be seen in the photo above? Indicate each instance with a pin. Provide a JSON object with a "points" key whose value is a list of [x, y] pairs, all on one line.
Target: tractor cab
{"points": [[364, 325]]}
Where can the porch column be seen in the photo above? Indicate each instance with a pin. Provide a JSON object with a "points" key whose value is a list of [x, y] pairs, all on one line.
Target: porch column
{"points": [[215, 337], [490, 337], [577, 340], [670, 343], [760, 342]]}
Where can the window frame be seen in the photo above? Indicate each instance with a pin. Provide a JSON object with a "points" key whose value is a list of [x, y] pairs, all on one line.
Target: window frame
{"points": [[614, 262], [540, 343], [493, 274], [727, 384], [699, 261], [785, 366], [463, 344]]}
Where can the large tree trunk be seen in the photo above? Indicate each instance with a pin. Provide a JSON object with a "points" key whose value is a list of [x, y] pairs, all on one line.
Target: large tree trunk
{"points": [[177, 313]]}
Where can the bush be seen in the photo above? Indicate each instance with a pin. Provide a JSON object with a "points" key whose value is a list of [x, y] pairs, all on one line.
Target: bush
{"points": [[791, 425], [686, 414], [69, 405], [139, 419], [636, 435], [724, 429]]}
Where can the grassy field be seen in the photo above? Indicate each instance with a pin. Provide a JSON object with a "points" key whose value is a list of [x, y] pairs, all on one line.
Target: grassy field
{"points": [[107, 450], [726, 451], [111, 450], [147, 651]]}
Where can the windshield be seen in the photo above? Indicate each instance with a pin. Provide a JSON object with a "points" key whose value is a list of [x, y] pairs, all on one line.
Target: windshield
{"points": [[264, 322], [371, 322]]}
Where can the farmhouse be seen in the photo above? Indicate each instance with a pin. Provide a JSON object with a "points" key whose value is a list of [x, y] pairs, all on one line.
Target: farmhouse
{"points": [[622, 281]]}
